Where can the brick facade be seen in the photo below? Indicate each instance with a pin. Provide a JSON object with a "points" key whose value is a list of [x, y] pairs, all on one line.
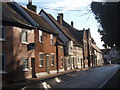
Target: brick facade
{"points": [[14, 51]]}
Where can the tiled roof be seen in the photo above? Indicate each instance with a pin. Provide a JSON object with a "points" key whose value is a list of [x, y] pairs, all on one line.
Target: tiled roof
{"points": [[77, 35], [11, 16], [63, 29], [42, 23]]}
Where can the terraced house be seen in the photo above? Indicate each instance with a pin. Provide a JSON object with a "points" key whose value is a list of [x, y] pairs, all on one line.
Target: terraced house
{"points": [[36, 45], [49, 51], [17, 43]]}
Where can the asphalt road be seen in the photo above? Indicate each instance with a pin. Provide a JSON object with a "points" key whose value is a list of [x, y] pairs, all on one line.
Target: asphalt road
{"points": [[91, 78]]}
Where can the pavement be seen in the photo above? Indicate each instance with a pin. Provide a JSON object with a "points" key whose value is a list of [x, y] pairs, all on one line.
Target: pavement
{"points": [[23, 83]]}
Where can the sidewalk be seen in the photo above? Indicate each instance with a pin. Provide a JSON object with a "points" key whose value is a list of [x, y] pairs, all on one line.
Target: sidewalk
{"points": [[23, 83], [20, 84]]}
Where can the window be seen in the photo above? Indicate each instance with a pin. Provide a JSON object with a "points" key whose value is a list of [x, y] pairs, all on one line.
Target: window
{"points": [[79, 49], [85, 45], [2, 32], [51, 39], [52, 59], [40, 36], [69, 60], [24, 36], [61, 49], [41, 58], [2, 62], [78, 60], [25, 64], [62, 61]]}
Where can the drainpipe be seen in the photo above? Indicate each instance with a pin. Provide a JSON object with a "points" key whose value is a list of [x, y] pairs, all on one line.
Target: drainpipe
{"points": [[57, 59]]}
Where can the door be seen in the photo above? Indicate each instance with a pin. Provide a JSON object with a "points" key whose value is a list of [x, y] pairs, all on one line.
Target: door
{"points": [[48, 63], [33, 67]]}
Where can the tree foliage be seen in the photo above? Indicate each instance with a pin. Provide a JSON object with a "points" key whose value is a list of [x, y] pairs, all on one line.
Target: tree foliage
{"points": [[107, 14]]}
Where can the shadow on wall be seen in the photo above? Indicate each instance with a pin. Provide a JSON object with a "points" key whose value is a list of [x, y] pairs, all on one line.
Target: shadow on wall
{"points": [[14, 57]]}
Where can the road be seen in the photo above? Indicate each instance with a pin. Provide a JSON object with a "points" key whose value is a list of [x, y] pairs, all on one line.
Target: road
{"points": [[91, 78]]}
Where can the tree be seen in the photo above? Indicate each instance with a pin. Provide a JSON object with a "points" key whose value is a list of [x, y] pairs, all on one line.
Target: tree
{"points": [[107, 14]]}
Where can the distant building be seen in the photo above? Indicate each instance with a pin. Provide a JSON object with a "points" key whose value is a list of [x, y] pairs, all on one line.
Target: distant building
{"points": [[112, 55]]}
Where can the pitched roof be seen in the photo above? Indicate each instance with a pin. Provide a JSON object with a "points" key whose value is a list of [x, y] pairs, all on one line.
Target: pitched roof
{"points": [[63, 29], [74, 33], [43, 25], [11, 16]]}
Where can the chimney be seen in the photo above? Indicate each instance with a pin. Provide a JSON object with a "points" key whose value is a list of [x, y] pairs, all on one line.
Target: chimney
{"points": [[31, 7], [72, 23], [60, 18]]}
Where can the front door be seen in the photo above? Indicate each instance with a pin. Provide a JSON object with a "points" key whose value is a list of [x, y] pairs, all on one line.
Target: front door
{"points": [[33, 67], [47, 63]]}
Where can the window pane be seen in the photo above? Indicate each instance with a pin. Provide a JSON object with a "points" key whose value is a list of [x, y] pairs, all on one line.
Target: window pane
{"points": [[52, 59], [25, 63], [40, 36], [24, 36], [41, 60], [52, 39], [2, 32], [2, 62]]}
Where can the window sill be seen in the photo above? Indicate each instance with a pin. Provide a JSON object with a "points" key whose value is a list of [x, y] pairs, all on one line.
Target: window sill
{"points": [[52, 65], [40, 66], [41, 42], [2, 72], [52, 44], [2, 40], [25, 43], [25, 70]]}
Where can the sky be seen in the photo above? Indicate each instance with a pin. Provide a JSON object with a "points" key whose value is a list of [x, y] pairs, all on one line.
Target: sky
{"points": [[77, 11]]}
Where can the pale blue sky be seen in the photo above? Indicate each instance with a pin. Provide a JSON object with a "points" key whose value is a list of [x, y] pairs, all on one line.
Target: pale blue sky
{"points": [[77, 11]]}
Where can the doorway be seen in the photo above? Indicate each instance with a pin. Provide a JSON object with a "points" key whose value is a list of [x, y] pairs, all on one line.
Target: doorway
{"points": [[47, 63], [33, 67]]}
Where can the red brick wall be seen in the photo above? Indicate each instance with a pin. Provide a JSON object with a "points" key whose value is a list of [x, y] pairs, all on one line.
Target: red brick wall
{"points": [[60, 54], [15, 50], [44, 47]]}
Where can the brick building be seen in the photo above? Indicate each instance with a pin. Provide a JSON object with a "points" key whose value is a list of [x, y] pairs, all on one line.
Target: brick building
{"points": [[49, 50], [17, 43]]}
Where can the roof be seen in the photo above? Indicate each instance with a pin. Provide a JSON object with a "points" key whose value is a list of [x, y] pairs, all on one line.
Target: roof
{"points": [[74, 33], [12, 16], [43, 25], [63, 29], [87, 33], [95, 47]]}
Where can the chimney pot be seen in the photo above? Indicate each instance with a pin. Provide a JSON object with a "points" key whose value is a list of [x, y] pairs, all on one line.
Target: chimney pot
{"points": [[72, 23]]}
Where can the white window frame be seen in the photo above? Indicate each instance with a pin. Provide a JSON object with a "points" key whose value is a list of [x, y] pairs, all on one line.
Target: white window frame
{"points": [[24, 68], [26, 36], [61, 49], [40, 36], [41, 60], [52, 60], [51, 39]]}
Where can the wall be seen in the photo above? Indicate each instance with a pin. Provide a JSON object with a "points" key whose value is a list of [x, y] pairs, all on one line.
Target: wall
{"points": [[46, 48], [15, 50]]}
